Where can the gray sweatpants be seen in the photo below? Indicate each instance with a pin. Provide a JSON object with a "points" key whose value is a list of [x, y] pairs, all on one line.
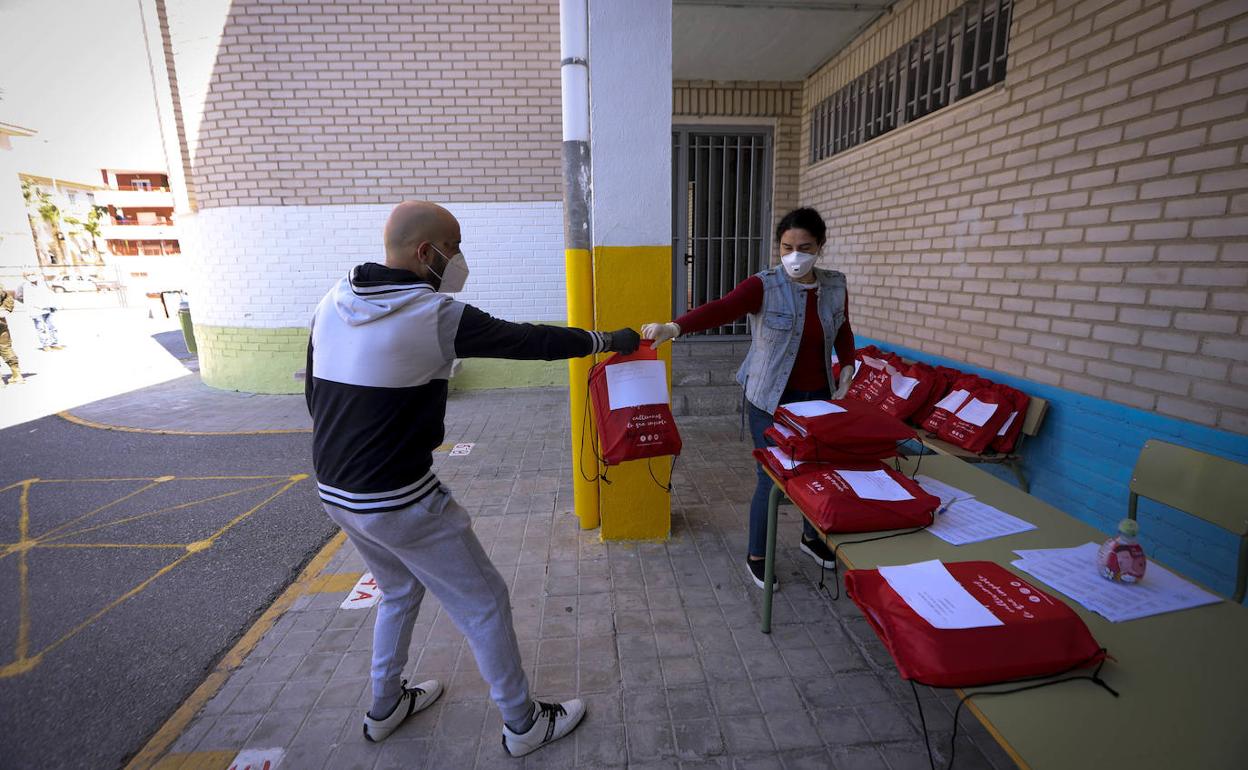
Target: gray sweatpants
{"points": [[431, 544]]}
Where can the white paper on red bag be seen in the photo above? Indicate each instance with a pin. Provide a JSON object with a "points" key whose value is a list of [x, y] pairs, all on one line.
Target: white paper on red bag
{"points": [[786, 462], [783, 430], [637, 383], [813, 408], [937, 596], [977, 412], [1009, 421], [951, 402], [874, 485], [902, 385]]}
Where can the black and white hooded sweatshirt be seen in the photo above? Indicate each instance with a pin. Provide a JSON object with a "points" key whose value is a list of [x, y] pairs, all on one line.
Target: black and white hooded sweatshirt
{"points": [[383, 341]]}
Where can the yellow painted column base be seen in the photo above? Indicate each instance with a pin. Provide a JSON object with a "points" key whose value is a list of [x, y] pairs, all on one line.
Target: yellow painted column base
{"points": [[633, 286]]}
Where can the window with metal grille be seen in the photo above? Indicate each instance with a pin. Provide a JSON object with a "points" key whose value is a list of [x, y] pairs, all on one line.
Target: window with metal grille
{"points": [[961, 54]]}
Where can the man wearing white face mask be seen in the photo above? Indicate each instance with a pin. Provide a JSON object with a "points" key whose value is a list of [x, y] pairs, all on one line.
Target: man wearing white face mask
{"points": [[383, 341], [799, 316]]}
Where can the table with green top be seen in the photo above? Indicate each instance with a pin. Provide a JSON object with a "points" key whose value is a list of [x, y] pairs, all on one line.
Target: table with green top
{"points": [[1182, 676]]}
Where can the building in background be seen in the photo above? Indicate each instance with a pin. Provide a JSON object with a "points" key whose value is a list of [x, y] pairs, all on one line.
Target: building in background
{"points": [[141, 233], [17, 250], [66, 225]]}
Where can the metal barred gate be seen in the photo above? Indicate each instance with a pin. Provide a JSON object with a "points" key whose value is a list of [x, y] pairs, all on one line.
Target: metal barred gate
{"points": [[721, 214]]}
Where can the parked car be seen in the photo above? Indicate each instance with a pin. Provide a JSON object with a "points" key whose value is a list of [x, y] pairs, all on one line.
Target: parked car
{"points": [[75, 283]]}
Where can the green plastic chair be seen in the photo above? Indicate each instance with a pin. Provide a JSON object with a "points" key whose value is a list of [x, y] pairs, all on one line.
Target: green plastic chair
{"points": [[1206, 486]]}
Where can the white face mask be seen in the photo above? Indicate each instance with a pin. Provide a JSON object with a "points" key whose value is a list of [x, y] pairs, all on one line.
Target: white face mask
{"points": [[455, 275], [798, 264]]}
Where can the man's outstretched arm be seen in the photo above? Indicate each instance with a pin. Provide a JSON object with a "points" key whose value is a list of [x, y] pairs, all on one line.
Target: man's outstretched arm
{"points": [[480, 335]]}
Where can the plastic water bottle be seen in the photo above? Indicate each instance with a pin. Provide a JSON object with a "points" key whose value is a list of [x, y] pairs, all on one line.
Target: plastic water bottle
{"points": [[1121, 558]]}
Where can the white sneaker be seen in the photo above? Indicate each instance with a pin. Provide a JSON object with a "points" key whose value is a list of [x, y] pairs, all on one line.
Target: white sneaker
{"points": [[554, 720], [412, 700]]}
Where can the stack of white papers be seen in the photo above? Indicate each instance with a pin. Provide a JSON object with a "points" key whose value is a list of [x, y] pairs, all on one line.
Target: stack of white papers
{"points": [[966, 520], [1073, 571]]}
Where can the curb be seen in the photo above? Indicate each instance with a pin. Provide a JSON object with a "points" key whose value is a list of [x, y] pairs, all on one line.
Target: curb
{"points": [[70, 417], [158, 745]]}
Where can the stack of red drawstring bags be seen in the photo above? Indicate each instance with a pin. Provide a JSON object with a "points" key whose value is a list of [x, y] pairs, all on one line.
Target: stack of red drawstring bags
{"points": [[829, 455]]}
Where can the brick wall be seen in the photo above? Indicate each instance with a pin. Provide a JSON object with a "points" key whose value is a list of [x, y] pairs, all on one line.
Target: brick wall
{"points": [[268, 266], [780, 103], [1083, 225], [336, 104]]}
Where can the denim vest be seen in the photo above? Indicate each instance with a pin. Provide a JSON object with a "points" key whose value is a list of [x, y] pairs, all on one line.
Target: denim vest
{"points": [[776, 332]]}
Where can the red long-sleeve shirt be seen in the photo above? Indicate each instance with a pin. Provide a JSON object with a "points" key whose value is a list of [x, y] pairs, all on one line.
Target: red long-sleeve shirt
{"points": [[808, 370]]}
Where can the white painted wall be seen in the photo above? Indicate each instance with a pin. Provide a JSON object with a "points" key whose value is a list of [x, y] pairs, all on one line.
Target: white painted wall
{"points": [[630, 81], [268, 266]]}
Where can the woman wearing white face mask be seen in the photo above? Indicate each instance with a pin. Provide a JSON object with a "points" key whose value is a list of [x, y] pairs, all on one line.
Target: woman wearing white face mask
{"points": [[799, 316]]}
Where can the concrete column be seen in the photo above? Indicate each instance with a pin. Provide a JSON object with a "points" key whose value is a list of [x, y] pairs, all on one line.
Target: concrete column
{"points": [[630, 71]]}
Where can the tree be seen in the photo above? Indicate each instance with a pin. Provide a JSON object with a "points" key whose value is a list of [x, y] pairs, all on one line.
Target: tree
{"points": [[89, 227], [50, 213]]}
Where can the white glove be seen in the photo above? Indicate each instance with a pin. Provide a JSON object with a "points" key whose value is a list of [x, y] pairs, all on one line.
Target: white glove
{"points": [[843, 382], [660, 333]]}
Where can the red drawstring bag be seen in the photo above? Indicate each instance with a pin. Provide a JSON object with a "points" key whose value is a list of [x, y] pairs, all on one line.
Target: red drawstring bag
{"points": [[870, 382], [975, 424], [908, 389], [945, 377], [633, 430], [1038, 636], [835, 430], [807, 449], [958, 395], [861, 497], [1007, 436], [783, 465]]}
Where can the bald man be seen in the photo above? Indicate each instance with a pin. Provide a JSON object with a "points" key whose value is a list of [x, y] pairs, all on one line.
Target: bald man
{"points": [[383, 341]]}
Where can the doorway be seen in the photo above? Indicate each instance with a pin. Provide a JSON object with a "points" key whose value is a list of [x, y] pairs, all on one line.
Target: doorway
{"points": [[721, 214]]}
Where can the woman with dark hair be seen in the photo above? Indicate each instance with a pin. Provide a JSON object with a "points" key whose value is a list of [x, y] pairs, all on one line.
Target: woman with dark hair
{"points": [[799, 316]]}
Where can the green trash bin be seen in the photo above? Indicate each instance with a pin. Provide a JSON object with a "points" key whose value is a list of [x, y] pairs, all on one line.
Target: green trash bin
{"points": [[188, 326]]}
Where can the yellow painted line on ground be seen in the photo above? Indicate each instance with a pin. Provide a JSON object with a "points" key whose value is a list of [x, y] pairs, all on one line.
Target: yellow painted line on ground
{"points": [[23, 661], [75, 419], [333, 583], [149, 514], [196, 760], [23, 598], [152, 753]]}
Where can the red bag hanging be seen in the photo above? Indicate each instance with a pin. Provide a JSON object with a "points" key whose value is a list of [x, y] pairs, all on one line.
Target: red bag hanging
{"points": [[975, 424], [861, 497], [958, 395], [830, 429], [908, 389], [1007, 436], [1038, 635], [945, 377], [637, 422]]}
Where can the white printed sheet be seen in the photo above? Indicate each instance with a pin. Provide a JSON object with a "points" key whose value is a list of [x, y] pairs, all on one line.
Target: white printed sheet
{"points": [[637, 383], [937, 596]]}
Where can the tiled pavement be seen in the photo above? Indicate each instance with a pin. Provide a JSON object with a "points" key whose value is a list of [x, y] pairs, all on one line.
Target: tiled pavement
{"points": [[660, 639]]}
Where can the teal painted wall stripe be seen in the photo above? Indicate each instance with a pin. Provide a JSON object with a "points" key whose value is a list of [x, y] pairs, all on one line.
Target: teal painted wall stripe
{"points": [[1082, 459]]}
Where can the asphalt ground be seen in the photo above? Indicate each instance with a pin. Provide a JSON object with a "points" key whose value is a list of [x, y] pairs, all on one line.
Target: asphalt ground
{"points": [[129, 564]]}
